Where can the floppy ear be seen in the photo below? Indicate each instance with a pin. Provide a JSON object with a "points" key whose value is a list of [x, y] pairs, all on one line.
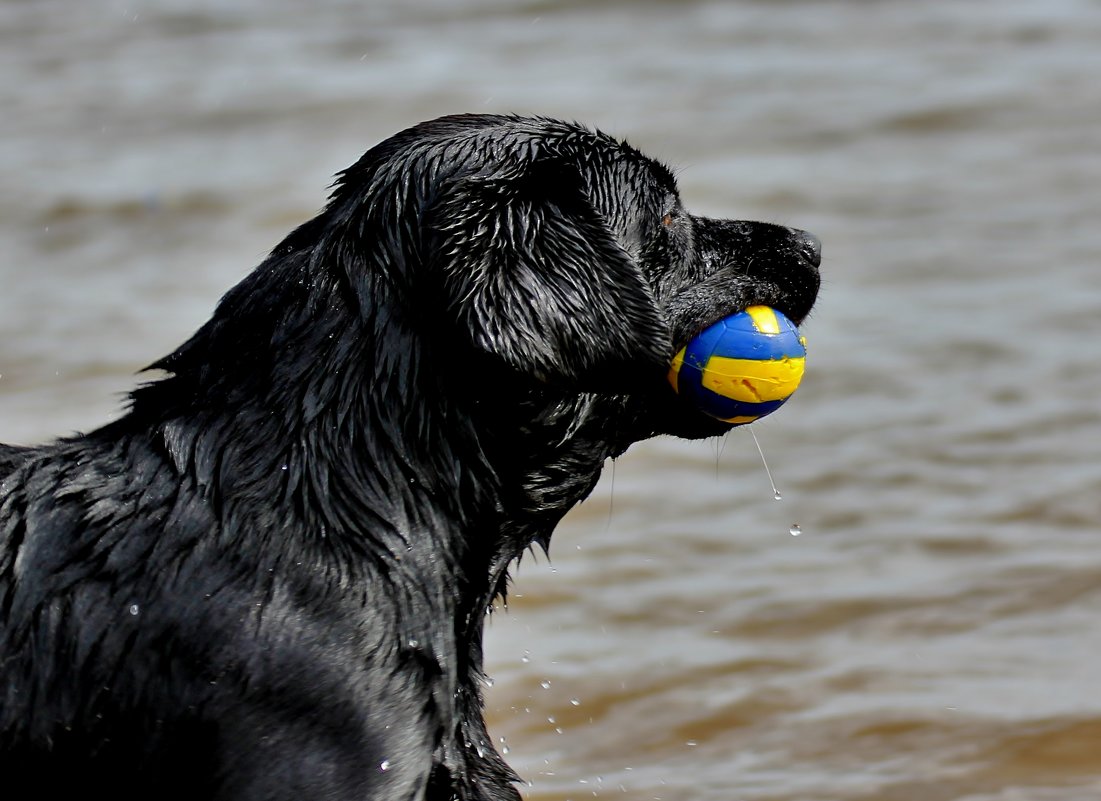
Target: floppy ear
{"points": [[532, 272]]}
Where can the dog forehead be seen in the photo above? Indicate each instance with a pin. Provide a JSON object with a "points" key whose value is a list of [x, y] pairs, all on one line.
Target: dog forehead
{"points": [[526, 140], [630, 190]]}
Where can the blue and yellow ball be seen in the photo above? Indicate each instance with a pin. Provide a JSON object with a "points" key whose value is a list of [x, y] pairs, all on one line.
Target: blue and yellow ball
{"points": [[743, 367]]}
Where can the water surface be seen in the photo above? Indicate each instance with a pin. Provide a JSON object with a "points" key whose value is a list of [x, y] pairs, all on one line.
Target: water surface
{"points": [[934, 631]]}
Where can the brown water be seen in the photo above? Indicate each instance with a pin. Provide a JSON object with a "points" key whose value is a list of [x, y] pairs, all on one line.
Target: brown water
{"points": [[934, 632]]}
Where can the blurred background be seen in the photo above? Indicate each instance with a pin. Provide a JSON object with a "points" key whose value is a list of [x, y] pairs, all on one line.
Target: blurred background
{"points": [[933, 631]]}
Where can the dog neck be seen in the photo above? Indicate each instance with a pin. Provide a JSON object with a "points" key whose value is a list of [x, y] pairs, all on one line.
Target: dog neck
{"points": [[395, 471]]}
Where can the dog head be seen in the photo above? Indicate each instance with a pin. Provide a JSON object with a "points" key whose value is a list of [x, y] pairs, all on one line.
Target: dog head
{"points": [[525, 269], [562, 255]]}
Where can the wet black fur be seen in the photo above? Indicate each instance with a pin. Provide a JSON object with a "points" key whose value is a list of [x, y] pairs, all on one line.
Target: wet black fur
{"points": [[268, 579]]}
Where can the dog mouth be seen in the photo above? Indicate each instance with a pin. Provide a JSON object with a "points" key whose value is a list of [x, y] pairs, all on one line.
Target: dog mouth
{"points": [[788, 285]]}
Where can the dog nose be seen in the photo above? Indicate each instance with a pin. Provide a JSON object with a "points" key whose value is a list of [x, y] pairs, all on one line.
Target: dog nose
{"points": [[810, 248]]}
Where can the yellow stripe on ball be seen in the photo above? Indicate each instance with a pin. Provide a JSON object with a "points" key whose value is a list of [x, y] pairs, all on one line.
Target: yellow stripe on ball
{"points": [[752, 380], [674, 371], [764, 319], [739, 420]]}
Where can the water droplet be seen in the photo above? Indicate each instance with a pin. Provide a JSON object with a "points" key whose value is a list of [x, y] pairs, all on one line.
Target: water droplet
{"points": [[526, 657], [575, 701], [795, 531], [775, 492], [134, 609], [545, 684], [384, 765], [550, 719], [413, 643]]}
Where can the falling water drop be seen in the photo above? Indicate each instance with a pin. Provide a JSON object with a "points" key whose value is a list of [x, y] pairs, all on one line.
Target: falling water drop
{"points": [[134, 609], [775, 492], [795, 531]]}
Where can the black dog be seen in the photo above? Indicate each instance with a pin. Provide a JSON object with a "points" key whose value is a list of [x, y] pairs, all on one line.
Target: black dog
{"points": [[268, 579]]}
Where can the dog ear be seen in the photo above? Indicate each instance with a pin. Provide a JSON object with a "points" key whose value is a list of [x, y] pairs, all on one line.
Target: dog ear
{"points": [[535, 276]]}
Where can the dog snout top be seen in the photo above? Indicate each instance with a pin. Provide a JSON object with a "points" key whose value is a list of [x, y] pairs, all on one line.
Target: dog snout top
{"points": [[740, 263], [749, 244]]}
